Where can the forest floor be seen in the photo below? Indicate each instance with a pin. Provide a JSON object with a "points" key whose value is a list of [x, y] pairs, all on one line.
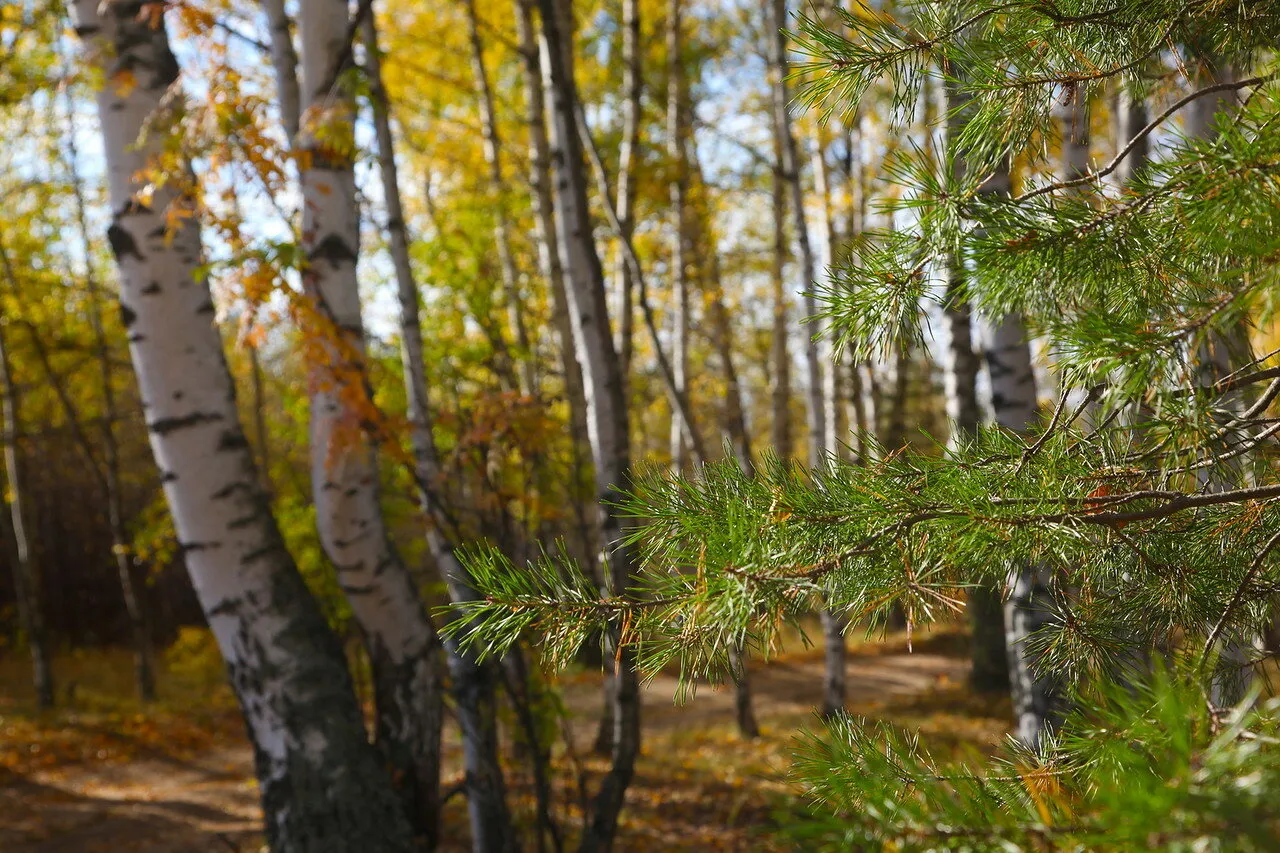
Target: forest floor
{"points": [[177, 777]]}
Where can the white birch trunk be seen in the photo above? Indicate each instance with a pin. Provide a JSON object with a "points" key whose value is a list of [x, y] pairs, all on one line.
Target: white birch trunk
{"points": [[322, 787], [401, 641], [607, 422], [473, 681], [1036, 701], [628, 153]]}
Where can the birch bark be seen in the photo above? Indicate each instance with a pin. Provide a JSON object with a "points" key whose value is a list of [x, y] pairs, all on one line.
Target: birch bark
{"points": [[400, 639], [473, 681], [322, 787], [607, 423], [628, 153]]}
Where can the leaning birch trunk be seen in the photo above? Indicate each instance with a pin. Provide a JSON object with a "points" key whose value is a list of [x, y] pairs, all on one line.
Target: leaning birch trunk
{"points": [[322, 786], [990, 670], [502, 225], [400, 639], [608, 427], [473, 681], [833, 690], [26, 575], [681, 250], [633, 85]]}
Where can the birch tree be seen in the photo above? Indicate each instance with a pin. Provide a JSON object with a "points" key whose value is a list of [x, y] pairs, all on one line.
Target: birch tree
{"points": [[401, 641], [607, 421], [473, 681], [628, 156], [322, 787]]}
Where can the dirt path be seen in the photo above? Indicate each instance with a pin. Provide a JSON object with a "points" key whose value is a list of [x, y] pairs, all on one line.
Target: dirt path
{"points": [[166, 805]]}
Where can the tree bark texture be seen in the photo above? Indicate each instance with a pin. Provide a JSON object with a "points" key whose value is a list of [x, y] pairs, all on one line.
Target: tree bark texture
{"points": [[323, 790]]}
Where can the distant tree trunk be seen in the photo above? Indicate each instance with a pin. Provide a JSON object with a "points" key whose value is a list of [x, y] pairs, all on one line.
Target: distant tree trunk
{"points": [[894, 405], [473, 681], [633, 85], [321, 783], [990, 658], [781, 355], [834, 625], [1131, 117], [126, 571], [401, 641], [26, 572], [789, 165], [735, 416], [502, 226], [1217, 357], [1036, 700], [681, 250], [553, 271], [608, 425]]}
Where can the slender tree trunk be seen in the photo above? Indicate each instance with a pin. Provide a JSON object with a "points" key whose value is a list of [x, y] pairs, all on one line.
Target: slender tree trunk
{"points": [[502, 226], [322, 787], [608, 426], [681, 250], [990, 658], [26, 572], [400, 639], [1037, 703], [781, 355], [553, 272], [1216, 358], [1131, 117], [126, 571], [789, 165], [473, 681], [633, 85], [834, 625], [735, 416]]}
